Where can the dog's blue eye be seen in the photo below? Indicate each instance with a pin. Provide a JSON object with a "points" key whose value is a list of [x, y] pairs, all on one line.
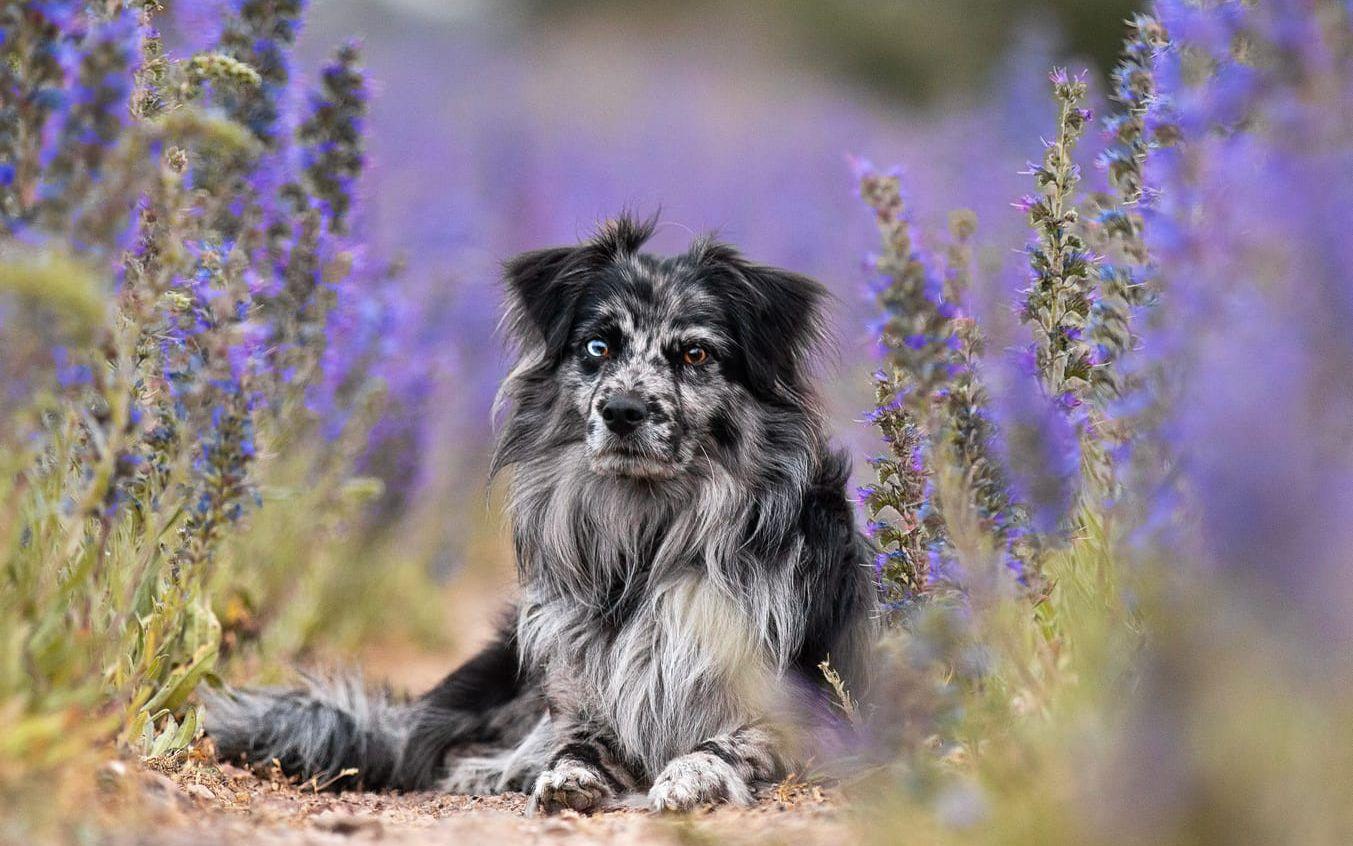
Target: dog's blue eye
{"points": [[597, 348]]}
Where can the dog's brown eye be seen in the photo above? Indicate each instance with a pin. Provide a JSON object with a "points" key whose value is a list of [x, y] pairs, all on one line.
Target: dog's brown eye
{"points": [[695, 355]]}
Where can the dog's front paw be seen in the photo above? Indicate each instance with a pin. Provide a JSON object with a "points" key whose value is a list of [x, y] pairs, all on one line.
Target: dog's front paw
{"points": [[699, 778], [568, 785]]}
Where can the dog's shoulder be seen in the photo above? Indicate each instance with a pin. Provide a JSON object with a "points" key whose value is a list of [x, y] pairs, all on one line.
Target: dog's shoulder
{"points": [[828, 487], [834, 568]]}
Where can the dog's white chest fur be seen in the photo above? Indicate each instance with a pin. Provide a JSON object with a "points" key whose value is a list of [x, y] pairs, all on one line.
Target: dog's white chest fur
{"points": [[633, 610], [686, 668]]}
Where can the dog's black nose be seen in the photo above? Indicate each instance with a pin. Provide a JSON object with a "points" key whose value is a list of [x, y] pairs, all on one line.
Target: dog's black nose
{"points": [[623, 413]]}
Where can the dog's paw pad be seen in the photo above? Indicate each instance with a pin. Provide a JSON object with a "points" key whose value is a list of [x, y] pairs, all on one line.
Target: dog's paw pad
{"points": [[698, 779], [568, 786]]}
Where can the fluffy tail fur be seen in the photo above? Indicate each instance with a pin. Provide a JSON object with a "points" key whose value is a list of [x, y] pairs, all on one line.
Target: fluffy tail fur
{"points": [[329, 730], [339, 733]]}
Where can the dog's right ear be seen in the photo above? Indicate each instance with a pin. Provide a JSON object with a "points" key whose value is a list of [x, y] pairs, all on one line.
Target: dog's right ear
{"points": [[542, 287]]}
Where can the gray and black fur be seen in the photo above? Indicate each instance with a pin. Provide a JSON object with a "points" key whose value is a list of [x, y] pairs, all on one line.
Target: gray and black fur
{"points": [[686, 550]]}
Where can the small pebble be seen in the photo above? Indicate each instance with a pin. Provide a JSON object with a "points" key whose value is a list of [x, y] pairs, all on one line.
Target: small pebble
{"points": [[113, 769], [347, 824]]}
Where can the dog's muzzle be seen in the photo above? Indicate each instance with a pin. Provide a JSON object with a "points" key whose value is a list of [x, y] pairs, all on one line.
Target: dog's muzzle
{"points": [[623, 413]]}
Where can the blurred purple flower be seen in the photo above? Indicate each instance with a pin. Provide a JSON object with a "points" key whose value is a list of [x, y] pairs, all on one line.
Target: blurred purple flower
{"points": [[1037, 441], [1249, 235]]}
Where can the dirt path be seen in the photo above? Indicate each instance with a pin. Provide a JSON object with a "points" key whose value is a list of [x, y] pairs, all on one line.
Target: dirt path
{"points": [[195, 802]]}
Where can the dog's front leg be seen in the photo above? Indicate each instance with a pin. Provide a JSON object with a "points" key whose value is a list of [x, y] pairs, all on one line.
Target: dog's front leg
{"points": [[721, 769], [585, 771]]}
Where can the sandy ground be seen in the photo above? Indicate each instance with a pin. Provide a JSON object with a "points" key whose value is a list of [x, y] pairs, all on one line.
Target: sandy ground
{"points": [[194, 801]]}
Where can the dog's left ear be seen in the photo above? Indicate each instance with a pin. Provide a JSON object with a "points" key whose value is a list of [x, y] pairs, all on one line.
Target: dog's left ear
{"points": [[778, 316]]}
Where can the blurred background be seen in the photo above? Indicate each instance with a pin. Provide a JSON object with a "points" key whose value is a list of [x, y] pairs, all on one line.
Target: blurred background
{"points": [[1171, 667], [501, 126]]}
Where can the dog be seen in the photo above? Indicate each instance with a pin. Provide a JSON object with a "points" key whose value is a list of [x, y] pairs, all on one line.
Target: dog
{"points": [[687, 553]]}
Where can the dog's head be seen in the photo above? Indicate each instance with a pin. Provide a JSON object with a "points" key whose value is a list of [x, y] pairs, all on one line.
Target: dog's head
{"points": [[653, 363]]}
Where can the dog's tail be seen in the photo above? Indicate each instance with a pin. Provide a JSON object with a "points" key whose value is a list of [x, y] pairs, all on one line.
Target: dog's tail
{"points": [[337, 733], [329, 730]]}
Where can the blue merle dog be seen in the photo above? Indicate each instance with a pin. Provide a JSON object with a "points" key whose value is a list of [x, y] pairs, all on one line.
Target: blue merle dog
{"points": [[686, 550]]}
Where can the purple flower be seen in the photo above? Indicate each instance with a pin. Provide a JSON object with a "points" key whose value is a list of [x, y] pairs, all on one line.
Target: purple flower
{"points": [[70, 374], [1038, 442]]}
